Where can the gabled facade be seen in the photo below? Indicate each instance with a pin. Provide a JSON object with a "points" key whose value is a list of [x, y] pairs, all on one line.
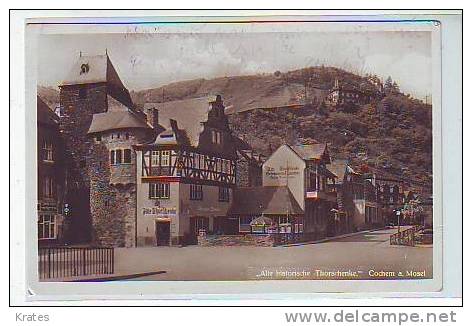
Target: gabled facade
{"points": [[187, 175], [302, 169]]}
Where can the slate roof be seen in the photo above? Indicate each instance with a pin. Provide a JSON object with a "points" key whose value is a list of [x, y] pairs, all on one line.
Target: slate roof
{"points": [[97, 70], [310, 151], [118, 116], [264, 200], [189, 115], [45, 115]]}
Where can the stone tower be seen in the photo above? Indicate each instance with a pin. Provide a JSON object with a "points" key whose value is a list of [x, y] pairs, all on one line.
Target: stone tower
{"points": [[112, 172], [87, 90]]}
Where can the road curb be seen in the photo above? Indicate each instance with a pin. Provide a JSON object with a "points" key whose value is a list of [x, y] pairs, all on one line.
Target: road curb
{"points": [[332, 238]]}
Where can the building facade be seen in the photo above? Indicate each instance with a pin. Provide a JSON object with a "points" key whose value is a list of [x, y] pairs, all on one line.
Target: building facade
{"points": [[112, 173], [91, 88], [344, 94], [187, 175], [51, 177], [302, 170]]}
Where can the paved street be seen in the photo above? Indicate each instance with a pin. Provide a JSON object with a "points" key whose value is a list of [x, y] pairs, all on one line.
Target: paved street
{"points": [[358, 253]]}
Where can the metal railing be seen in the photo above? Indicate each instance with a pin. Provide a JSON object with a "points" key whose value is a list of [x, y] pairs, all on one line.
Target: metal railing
{"points": [[405, 237], [62, 262]]}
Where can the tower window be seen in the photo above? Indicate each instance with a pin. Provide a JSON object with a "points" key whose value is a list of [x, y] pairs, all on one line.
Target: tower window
{"points": [[118, 156], [112, 157], [127, 156], [98, 138], [84, 68], [83, 93]]}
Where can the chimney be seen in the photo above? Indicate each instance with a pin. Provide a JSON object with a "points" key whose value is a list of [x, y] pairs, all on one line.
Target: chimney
{"points": [[153, 117]]}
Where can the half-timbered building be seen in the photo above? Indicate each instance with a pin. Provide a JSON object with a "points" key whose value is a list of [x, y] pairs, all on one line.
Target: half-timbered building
{"points": [[187, 175]]}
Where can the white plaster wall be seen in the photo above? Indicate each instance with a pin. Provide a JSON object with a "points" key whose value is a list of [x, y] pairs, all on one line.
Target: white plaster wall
{"points": [[146, 222], [210, 206], [274, 172]]}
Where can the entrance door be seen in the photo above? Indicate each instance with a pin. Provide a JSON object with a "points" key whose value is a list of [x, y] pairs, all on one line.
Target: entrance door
{"points": [[162, 233]]}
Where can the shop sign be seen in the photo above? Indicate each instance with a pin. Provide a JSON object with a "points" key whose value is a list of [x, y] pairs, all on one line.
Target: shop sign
{"points": [[159, 211], [282, 172]]}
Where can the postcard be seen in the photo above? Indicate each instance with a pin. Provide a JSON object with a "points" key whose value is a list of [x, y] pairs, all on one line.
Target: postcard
{"points": [[276, 154]]}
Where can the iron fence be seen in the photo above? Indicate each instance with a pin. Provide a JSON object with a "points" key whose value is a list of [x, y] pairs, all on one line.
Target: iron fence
{"points": [[405, 237], [62, 262]]}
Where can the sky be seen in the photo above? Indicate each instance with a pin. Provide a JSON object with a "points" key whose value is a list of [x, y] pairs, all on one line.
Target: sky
{"points": [[151, 60]]}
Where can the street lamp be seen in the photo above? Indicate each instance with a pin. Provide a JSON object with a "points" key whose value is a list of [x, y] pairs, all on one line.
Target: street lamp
{"points": [[398, 219]]}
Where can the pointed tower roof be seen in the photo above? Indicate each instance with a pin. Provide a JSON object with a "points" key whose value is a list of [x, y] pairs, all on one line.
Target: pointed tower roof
{"points": [[88, 70], [98, 69]]}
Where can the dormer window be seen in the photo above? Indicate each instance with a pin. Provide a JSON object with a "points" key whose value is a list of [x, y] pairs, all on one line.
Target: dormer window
{"points": [[216, 137]]}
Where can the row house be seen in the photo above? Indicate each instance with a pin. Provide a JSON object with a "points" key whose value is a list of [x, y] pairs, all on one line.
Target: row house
{"points": [[357, 205]]}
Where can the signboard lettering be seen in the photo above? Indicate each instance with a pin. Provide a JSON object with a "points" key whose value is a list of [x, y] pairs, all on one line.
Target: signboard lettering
{"points": [[159, 211]]}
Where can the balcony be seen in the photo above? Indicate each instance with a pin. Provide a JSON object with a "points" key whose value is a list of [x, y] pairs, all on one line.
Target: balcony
{"points": [[312, 194]]}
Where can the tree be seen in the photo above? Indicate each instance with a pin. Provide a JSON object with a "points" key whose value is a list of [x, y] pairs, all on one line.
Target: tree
{"points": [[411, 210], [322, 108], [395, 87], [388, 84]]}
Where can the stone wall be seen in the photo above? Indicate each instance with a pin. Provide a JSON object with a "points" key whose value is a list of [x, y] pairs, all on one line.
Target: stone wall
{"points": [[113, 191], [262, 240], [76, 116], [248, 172]]}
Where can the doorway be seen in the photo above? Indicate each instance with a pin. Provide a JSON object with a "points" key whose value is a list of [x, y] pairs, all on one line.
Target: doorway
{"points": [[162, 233]]}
